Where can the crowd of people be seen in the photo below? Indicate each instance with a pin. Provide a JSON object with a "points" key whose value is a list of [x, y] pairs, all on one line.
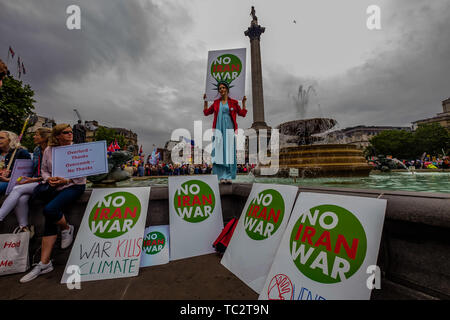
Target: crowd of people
{"points": [[170, 169]]}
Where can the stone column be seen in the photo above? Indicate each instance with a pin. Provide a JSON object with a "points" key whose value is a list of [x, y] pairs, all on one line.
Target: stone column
{"points": [[254, 33]]}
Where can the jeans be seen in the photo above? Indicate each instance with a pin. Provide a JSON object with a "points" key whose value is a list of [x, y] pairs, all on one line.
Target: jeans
{"points": [[3, 187], [55, 202]]}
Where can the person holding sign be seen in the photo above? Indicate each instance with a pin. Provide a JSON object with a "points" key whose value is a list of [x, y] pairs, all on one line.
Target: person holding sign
{"points": [[56, 192], [9, 143], [225, 110], [19, 196]]}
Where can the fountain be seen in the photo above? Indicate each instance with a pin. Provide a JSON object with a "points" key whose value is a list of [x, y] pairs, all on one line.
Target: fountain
{"points": [[302, 147]]}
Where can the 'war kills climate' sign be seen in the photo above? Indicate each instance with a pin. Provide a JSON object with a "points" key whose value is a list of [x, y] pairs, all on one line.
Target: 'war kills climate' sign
{"points": [[195, 215], [228, 66], [110, 239], [258, 234], [328, 245]]}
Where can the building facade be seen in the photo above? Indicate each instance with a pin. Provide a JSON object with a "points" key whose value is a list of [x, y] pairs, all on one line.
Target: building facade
{"points": [[442, 118], [359, 135]]}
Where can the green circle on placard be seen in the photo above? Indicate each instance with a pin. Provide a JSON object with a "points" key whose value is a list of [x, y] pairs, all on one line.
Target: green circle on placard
{"points": [[264, 214], [329, 244], [114, 215], [153, 242], [194, 201], [226, 67]]}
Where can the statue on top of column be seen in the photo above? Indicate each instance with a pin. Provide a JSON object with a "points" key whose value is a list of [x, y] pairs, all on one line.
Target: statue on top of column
{"points": [[253, 14]]}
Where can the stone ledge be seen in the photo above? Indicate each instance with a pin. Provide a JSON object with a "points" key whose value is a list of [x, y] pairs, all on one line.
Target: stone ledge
{"points": [[414, 254]]}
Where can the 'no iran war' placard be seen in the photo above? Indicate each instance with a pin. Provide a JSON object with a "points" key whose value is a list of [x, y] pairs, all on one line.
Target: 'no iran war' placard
{"points": [[261, 226], [109, 242], [328, 245], [80, 160], [155, 246], [22, 168], [195, 215], [228, 66]]}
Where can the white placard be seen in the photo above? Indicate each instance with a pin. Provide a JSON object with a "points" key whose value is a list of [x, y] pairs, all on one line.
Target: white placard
{"points": [[327, 247], [155, 246], [258, 234], [109, 242], [195, 215], [293, 172], [229, 66], [80, 160], [22, 168]]}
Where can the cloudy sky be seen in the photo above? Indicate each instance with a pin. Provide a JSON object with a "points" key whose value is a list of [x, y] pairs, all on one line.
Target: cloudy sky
{"points": [[141, 64]]}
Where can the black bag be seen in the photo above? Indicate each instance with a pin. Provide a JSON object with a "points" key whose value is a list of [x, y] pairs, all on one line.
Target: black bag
{"points": [[44, 192]]}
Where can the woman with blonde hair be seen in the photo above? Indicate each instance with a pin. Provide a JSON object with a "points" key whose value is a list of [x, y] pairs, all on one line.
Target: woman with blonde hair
{"points": [[56, 192], [9, 143], [19, 196]]}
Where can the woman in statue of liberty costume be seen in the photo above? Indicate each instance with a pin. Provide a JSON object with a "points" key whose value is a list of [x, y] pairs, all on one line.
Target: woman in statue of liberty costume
{"points": [[225, 110]]}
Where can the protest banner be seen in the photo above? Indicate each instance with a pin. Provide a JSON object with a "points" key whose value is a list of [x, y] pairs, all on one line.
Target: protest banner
{"points": [[108, 244], [195, 215], [22, 168], [258, 234], [228, 66], [155, 246], [326, 250], [80, 160]]}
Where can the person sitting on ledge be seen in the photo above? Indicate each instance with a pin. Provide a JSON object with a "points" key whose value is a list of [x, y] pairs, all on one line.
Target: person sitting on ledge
{"points": [[20, 194], [10, 151], [56, 192]]}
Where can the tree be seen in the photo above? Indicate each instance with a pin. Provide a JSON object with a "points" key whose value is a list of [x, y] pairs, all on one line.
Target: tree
{"points": [[16, 104], [397, 143], [432, 139], [110, 135]]}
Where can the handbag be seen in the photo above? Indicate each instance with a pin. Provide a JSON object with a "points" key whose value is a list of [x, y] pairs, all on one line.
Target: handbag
{"points": [[14, 252], [43, 191]]}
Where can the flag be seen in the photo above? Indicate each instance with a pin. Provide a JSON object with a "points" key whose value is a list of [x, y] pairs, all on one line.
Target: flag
{"points": [[116, 146], [11, 52], [111, 148], [154, 157], [18, 66], [189, 140], [23, 69]]}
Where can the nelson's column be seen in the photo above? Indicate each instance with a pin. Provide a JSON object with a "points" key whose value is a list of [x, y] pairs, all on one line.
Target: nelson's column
{"points": [[254, 33]]}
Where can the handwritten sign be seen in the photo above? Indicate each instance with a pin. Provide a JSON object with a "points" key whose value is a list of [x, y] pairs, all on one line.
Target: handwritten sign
{"points": [[228, 66], [155, 246], [327, 247], [258, 234], [195, 215], [80, 160], [109, 242], [22, 168]]}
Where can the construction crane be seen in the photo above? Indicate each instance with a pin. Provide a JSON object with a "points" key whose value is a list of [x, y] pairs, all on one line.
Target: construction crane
{"points": [[78, 114]]}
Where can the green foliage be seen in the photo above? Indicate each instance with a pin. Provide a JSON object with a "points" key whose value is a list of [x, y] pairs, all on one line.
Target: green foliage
{"points": [[28, 141], [430, 138], [16, 104], [110, 135]]}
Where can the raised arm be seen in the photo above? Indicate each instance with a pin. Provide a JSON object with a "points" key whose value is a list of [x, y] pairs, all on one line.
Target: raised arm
{"points": [[207, 111]]}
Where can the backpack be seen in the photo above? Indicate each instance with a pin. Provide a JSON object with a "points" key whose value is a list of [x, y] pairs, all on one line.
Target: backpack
{"points": [[224, 237]]}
